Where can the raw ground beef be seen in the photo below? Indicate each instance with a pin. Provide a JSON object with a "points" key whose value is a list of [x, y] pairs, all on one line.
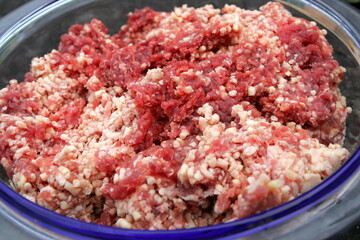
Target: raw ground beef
{"points": [[181, 119]]}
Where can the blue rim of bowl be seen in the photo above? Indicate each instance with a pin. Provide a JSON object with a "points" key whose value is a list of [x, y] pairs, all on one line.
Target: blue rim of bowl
{"points": [[69, 227]]}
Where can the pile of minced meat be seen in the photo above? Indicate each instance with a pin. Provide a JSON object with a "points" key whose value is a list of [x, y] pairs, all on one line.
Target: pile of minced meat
{"points": [[182, 119]]}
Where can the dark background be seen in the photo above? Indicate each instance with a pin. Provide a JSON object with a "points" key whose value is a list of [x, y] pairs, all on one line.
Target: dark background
{"points": [[352, 233]]}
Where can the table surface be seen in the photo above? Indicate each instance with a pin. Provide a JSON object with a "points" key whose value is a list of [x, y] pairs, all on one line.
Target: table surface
{"points": [[8, 231]]}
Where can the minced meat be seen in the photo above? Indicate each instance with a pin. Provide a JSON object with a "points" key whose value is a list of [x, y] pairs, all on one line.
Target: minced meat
{"points": [[181, 119]]}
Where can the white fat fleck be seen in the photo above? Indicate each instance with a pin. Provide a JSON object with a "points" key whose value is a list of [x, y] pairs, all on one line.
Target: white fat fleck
{"points": [[251, 91]]}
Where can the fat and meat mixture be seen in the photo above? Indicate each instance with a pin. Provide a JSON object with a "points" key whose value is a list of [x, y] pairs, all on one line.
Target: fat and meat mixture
{"points": [[181, 119]]}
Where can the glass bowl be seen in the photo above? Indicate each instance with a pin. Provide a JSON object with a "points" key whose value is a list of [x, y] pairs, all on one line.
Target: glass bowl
{"points": [[35, 28]]}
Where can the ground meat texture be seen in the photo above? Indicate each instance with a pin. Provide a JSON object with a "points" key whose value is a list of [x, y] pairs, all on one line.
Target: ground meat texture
{"points": [[182, 119]]}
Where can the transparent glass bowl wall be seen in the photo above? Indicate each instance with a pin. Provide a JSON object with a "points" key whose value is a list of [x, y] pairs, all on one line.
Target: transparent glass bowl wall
{"points": [[322, 211]]}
